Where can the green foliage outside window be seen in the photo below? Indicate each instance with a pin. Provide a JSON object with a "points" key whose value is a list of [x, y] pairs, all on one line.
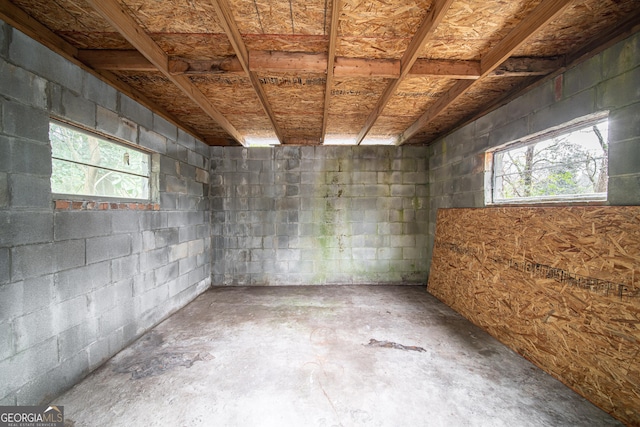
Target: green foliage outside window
{"points": [[570, 163], [85, 164]]}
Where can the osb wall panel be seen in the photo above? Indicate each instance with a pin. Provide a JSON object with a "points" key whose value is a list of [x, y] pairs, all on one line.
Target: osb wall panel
{"points": [[559, 285]]}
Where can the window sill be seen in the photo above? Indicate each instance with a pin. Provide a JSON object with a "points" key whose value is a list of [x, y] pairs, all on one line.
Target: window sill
{"points": [[75, 205]]}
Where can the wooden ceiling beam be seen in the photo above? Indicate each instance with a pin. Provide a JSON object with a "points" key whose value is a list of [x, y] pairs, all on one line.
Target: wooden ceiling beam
{"points": [[23, 22], [282, 62], [331, 58], [435, 15], [113, 12], [546, 11], [228, 23]]}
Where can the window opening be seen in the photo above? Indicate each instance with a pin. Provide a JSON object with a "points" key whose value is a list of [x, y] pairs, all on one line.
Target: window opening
{"points": [[568, 163], [87, 164]]}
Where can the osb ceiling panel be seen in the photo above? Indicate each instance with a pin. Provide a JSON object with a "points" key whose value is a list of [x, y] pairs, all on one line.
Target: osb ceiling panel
{"points": [[65, 15], [374, 94], [577, 25], [280, 16], [175, 16], [471, 27]]}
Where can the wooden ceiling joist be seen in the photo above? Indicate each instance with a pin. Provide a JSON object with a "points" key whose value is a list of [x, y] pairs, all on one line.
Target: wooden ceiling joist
{"points": [[435, 15], [226, 20], [541, 15], [282, 62], [333, 40], [19, 19], [113, 12]]}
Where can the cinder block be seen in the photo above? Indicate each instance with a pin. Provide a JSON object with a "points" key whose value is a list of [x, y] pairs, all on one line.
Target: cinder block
{"points": [[81, 224], [39, 260], [69, 313], [37, 293], [77, 338], [29, 158], [561, 112], [621, 57], [26, 122], [136, 112], [33, 328], [403, 190], [125, 222], [118, 316], [22, 85], [187, 264], [152, 140], [11, 301], [124, 268], [28, 53], [5, 265], [402, 241], [152, 220], [99, 92], [79, 281], [163, 127], [188, 233], [195, 159], [187, 140], [586, 75], [111, 123], [27, 365], [179, 251], [5, 194], [78, 109], [108, 247], [7, 348], [153, 259], [624, 124], [63, 377], [624, 190], [19, 228], [30, 191], [624, 157], [512, 131], [196, 247]]}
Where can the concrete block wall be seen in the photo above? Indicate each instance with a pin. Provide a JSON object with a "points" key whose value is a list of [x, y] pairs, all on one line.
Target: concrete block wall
{"points": [[606, 82], [319, 215], [78, 283]]}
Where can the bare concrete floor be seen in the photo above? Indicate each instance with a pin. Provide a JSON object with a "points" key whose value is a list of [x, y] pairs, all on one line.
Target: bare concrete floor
{"points": [[322, 356]]}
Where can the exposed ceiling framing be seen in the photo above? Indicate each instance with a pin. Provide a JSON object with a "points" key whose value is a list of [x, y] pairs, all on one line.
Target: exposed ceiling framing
{"points": [[323, 71]]}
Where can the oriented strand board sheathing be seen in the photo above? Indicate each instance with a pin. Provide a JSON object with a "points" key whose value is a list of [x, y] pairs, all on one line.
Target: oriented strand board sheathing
{"points": [[225, 90], [372, 47], [282, 16], [415, 94], [67, 15], [161, 91], [174, 16], [294, 94], [286, 43], [355, 96], [476, 24], [381, 18], [195, 46], [571, 30], [85, 40], [559, 285]]}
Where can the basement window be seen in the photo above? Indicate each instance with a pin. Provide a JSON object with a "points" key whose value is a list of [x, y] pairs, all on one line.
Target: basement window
{"points": [[564, 164], [87, 164]]}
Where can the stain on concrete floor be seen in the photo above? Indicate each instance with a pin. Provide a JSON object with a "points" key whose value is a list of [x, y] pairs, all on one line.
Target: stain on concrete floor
{"points": [[297, 356], [149, 358], [388, 344]]}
